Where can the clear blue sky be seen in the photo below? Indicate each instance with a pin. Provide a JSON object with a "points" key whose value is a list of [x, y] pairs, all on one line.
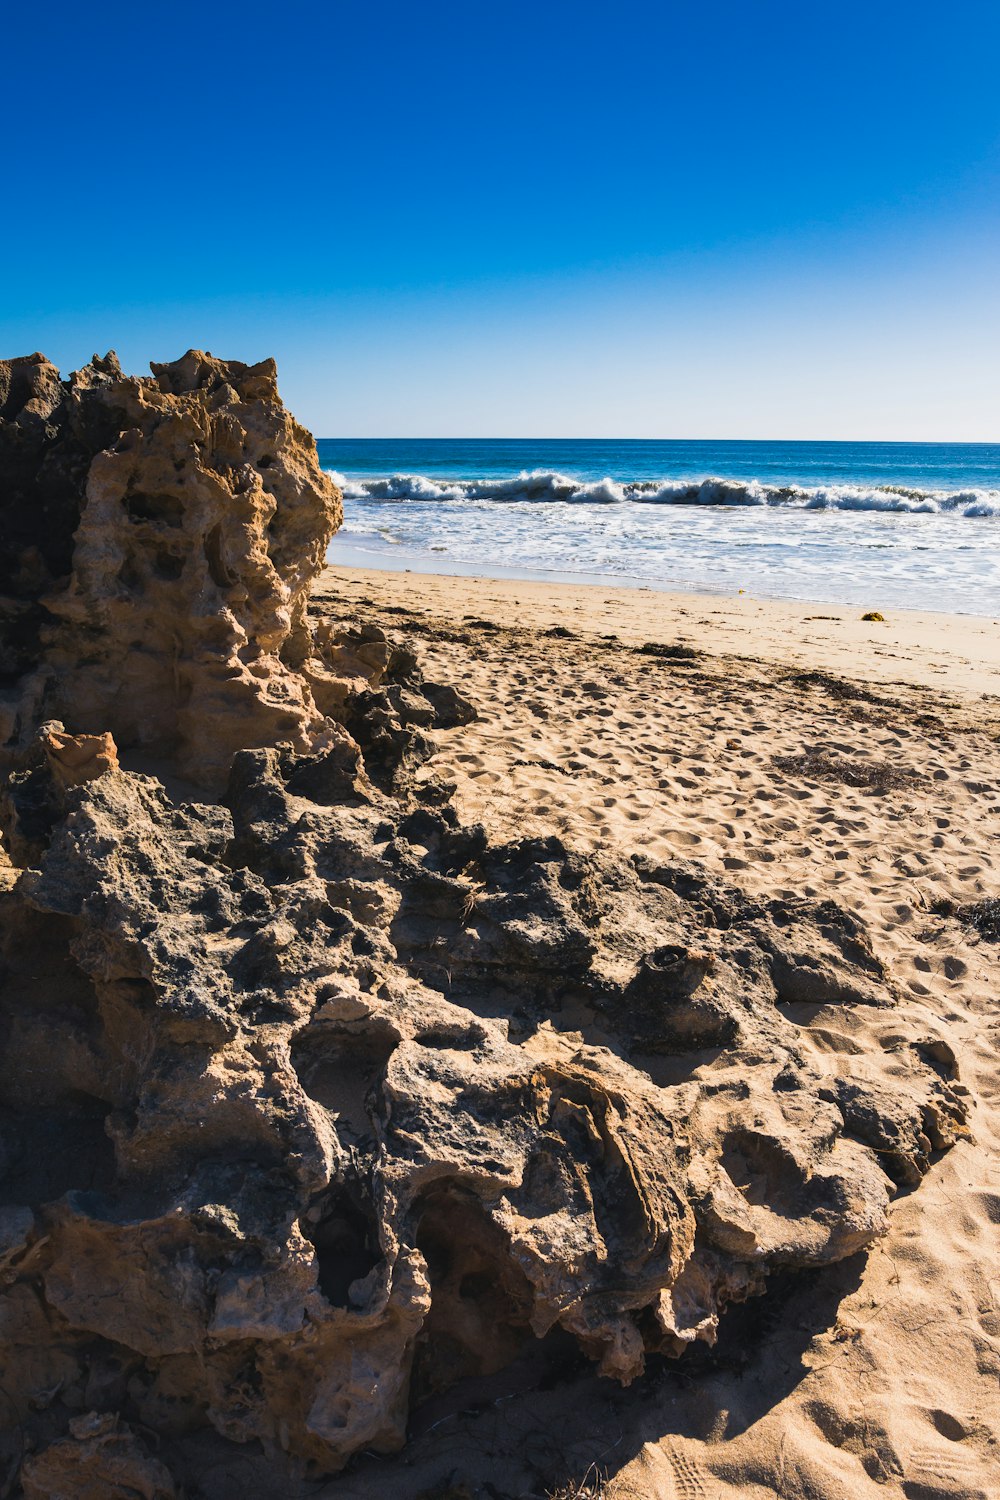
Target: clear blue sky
{"points": [[755, 219]]}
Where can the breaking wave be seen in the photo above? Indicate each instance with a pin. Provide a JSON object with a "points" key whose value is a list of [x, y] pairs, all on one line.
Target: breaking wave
{"points": [[547, 485]]}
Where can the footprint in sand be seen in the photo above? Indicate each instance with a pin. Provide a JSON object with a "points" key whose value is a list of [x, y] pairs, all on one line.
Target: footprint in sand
{"points": [[688, 1483]]}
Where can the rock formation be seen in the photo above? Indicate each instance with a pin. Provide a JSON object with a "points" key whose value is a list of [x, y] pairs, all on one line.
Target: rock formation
{"points": [[315, 1101], [161, 536]]}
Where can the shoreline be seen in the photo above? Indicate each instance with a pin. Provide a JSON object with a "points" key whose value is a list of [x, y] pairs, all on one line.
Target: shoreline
{"points": [[951, 653], [365, 551]]}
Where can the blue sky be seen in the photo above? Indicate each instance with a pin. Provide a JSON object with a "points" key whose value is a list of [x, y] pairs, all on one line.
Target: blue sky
{"points": [[672, 220]]}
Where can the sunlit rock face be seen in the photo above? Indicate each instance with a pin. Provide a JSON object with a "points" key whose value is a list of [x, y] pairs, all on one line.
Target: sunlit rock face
{"points": [[162, 533]]}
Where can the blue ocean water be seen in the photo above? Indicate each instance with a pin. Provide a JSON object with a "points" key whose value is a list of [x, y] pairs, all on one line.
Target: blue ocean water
{"points": [[898, 524]]}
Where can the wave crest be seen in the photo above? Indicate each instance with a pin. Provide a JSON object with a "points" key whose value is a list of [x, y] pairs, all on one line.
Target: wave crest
{"points": [[547, 485]]}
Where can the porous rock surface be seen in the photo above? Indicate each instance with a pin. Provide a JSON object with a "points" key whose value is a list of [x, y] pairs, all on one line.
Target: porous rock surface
{"points": [[301, 1120], [160, 536], [316, 1102]]}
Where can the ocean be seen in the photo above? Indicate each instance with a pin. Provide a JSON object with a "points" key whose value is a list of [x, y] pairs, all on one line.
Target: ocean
{"points": [[873, 524]]}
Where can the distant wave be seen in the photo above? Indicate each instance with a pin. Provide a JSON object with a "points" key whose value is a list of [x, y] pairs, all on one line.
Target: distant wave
{"points": [[542, 485]]}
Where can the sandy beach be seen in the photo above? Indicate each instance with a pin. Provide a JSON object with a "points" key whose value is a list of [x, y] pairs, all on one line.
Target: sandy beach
{"points": [[960, 652], [795, 751]]}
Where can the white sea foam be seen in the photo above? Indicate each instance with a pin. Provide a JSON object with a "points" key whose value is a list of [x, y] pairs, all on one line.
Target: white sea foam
{"points": [[547, 485], [538, 484]]}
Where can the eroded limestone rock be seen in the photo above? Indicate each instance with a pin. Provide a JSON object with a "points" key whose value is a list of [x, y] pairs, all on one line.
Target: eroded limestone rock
{"points": [[100, 1460], [341, 1104], [161, 534]]}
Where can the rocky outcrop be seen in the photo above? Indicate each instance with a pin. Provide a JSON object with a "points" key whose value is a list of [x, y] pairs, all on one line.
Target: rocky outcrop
{"points": [[161, 535], [315, 1108], [316, 1102]]}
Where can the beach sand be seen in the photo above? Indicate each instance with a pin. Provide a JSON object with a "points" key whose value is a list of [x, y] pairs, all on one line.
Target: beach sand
{"points": [[794, 750]]}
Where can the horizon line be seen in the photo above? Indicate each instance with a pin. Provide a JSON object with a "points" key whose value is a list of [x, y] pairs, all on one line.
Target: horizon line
{"points": [[830, 442]]}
